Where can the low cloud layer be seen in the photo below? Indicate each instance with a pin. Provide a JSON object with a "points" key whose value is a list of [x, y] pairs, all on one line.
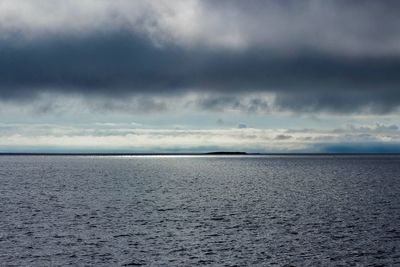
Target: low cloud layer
{"points": [[132, 137], [309, 56]]}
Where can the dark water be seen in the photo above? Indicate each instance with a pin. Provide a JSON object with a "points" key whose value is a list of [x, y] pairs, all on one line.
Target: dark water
{"points": [[186, 211]]}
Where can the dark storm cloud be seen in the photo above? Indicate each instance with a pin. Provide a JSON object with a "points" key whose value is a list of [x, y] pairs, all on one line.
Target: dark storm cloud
{"points": [[275, 54], [112, 64]]}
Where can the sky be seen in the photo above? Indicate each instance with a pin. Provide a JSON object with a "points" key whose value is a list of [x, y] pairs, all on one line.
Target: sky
{"points": [[277, 76]]}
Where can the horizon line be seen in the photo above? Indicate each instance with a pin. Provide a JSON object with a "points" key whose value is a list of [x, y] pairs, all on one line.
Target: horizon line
{"points": [[212, 153]]}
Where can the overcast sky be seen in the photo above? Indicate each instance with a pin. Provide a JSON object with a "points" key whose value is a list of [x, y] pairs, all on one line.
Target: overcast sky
{"points": [[192, 75]]}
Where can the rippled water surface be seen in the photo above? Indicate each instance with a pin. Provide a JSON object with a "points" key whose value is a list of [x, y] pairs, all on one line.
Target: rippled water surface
{"points": [[185, 211]]}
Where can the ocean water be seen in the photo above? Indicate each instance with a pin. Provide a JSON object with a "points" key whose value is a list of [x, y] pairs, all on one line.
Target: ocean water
{"points": [[188, 211]]}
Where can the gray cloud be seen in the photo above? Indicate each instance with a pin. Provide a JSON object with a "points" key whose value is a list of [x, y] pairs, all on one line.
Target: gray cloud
{"points": [[333, 56], [220, 122], [135, 105], [283, 137]]}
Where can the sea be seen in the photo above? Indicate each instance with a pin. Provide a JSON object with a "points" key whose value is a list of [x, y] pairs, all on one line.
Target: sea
{"points": [[238, 210]]}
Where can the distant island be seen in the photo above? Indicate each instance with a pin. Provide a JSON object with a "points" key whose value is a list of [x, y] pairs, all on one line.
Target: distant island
{"points": [[227, 153]]}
